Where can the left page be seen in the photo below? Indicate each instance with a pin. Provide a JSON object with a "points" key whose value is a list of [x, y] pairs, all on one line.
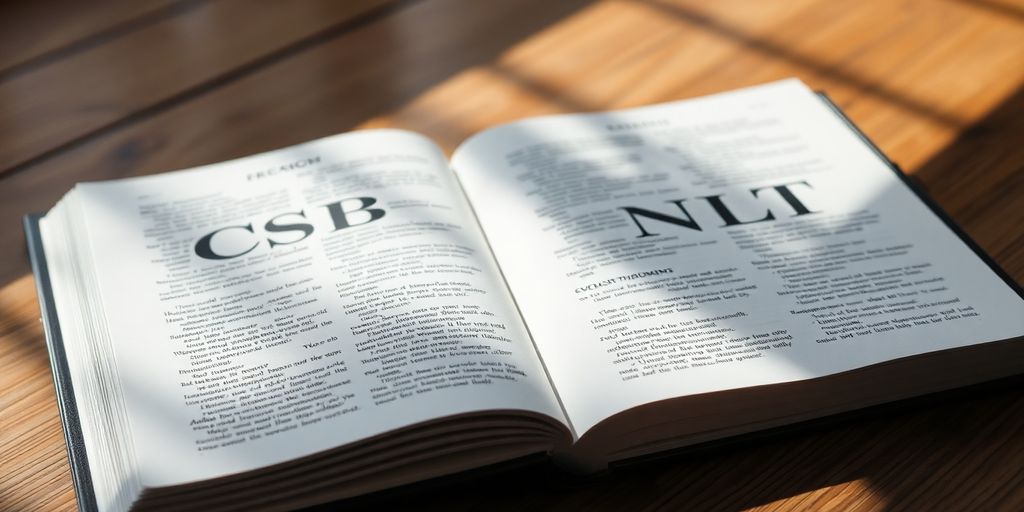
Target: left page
{"points": [[278, 305]]}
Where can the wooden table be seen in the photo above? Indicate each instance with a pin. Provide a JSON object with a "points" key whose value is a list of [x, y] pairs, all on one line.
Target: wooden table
{"points": [[112, 88]]}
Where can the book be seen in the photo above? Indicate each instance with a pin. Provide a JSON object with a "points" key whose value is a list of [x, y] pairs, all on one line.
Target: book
{"points": [[360, 312]]}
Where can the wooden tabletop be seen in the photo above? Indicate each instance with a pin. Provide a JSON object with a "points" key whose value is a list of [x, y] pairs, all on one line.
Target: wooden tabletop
{"points": [[111, 88]]}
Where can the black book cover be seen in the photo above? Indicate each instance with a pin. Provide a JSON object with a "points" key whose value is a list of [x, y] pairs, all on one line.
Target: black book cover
{"points": [[81, 475]]}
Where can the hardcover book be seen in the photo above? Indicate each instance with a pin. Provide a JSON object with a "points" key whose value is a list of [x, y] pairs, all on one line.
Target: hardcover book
{"points": [[360, 312]]}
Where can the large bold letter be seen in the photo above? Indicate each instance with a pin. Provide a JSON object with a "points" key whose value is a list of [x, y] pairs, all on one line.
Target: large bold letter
{"points": [[688, 222], [730, 220], [340, 216], [272, 227], [204, 250], [789, 196]]}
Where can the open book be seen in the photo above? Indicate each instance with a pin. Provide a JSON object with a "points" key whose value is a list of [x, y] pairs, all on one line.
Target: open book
{"points": [[358, 312]]}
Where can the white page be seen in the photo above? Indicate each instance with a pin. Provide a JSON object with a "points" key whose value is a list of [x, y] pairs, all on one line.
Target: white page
{"points": [[629, 309], [387, 312]]}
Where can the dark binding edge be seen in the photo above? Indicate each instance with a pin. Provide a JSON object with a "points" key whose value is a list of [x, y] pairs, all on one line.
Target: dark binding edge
{"points": [[81, 475], [923, 197], [781, 433]]}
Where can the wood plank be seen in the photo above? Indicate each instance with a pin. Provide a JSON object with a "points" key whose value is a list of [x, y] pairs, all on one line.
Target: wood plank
{"points": [[62, 102], [940, 85], [33, 468], [328, 89], [31, 32]]}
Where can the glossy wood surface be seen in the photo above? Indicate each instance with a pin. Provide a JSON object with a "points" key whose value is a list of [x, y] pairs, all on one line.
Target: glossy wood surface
{"points": [[113, 88]]}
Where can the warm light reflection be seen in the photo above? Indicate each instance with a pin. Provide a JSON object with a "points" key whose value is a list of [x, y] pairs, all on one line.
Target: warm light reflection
{"points": [[853, 495], [31, 440], [683, 49], [22, 349]]}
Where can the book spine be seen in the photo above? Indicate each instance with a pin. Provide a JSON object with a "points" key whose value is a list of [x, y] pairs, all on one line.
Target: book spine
{"points": [[81, 475]]}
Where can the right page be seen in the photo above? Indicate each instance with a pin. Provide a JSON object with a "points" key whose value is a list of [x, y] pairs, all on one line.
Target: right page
{"points": [[729, 241]]}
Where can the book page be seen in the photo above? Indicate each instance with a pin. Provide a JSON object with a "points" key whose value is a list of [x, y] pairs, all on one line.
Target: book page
{"points": [[740, 239], [274, 306]]}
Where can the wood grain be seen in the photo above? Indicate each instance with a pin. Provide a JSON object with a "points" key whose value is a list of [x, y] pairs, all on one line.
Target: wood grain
{"points": [[32, 33], [938, 84], [158, 63]]}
